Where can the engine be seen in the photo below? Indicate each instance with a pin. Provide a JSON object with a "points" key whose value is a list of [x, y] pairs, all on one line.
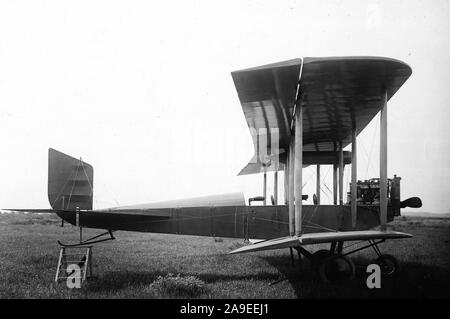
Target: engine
{"points": [[368, 193]]}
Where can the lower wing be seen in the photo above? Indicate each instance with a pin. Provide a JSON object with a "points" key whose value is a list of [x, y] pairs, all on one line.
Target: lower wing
{"points": [[319, 238]]}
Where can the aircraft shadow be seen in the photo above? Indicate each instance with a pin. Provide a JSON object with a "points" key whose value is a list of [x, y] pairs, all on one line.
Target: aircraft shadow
{"points": [[414, 280]]}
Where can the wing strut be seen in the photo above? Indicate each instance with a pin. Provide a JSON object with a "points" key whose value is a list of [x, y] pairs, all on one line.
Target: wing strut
{"points": [[341, 174], [275, 186], [291, 188], [354, 194], [298, 164], [265, 188], [318, 183], [383, 163], [335, 187], [286, 181]]}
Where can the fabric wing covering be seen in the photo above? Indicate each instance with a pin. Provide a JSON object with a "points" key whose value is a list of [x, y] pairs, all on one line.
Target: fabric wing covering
{"points": [[337, 94], [319, 238]]}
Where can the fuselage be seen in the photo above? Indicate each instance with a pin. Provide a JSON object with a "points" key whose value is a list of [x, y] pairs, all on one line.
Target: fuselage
{"points": [[256, 222]]}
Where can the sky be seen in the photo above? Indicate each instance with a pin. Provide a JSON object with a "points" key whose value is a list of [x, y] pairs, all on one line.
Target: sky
{"points": [[142, 90]]}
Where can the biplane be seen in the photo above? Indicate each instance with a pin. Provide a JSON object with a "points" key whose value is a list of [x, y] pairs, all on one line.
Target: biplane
{"points": [[300, 112]]}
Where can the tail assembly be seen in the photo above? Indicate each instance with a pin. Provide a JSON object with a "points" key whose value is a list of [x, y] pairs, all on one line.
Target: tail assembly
{"points": [[70, 182]]}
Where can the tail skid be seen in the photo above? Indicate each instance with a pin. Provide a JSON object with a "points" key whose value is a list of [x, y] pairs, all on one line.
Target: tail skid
{"points": [[90, 241]]}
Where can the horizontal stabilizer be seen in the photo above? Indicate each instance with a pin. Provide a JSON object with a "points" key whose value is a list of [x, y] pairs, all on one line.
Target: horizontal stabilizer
{"points": [[29, 210]]}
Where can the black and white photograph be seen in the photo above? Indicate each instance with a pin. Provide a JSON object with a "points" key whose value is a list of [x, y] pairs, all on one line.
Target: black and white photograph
{"points": [[223, 154]]}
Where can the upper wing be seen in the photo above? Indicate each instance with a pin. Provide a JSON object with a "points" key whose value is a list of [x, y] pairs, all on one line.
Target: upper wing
{"points": [[337, 94], [318, 238], [267, 95], [342, 93], [309, 158]]}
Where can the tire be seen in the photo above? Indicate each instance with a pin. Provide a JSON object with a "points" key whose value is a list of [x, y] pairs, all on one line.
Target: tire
{"points": [[388, 264], [337, 269], [318, 258]]}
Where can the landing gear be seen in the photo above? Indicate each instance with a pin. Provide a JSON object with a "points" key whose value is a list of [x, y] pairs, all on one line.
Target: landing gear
{"points": [[388, 264], [334, 265], [318, 258], [337, 269]]}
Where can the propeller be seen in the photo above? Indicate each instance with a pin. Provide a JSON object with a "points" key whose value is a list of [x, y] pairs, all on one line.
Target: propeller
{"points": [[412, 202]]}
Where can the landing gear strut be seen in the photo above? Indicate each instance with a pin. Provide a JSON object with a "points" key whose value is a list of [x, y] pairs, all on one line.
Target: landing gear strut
{"points": [[337, 268], [333, 265]]}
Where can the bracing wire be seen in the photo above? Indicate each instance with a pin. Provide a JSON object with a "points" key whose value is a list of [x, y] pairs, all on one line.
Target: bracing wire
{"points": [[62, 188], [73, 186], [89, 181]]}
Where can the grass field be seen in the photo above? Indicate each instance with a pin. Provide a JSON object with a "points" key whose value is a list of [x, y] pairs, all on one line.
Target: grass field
{"points": [[138, 265]]}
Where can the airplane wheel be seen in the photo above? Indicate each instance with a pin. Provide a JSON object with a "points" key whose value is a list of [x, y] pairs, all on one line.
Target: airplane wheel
{"points": [[388, 264], [318, 258], [337, 268]]}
